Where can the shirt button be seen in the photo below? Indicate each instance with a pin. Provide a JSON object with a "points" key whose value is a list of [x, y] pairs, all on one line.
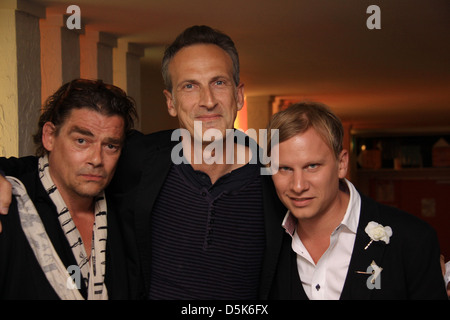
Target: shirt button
{"points": [[317, 287], [204, 194]]}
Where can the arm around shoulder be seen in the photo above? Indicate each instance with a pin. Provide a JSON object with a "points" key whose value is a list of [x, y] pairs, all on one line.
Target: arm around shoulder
{"points": [[12, 166], [5, 197]]}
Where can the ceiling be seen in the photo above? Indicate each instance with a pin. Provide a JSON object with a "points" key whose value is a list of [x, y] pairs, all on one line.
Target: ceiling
{"points": [[315, 49]]}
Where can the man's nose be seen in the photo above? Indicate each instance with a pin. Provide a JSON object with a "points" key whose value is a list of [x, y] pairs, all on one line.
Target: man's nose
{"points": [[96, 155], [299, 182], [207, 98]]}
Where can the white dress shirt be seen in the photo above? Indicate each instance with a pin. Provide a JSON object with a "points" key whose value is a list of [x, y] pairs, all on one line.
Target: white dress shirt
{"points": [[325, 280]]}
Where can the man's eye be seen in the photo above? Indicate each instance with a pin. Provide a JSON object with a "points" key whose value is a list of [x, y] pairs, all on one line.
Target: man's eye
{"points": [[81, 141], [112, 147]]}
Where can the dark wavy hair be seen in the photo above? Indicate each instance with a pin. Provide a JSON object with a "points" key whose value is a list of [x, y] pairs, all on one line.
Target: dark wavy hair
{"points": [[200, 35], [95, 95]]}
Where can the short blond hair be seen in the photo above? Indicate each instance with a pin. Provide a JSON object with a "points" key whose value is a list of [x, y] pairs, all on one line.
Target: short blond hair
{"points": [[301, 116]]}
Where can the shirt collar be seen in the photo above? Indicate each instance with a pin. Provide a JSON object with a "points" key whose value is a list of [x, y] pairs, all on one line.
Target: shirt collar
{"points": [[289, 223], [231, 182], [351, 217]]}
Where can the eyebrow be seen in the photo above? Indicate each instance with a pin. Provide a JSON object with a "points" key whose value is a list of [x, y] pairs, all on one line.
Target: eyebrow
{"points": [[86, 132], [215, 78], [77, 129], [220, 77], [114, 141]]}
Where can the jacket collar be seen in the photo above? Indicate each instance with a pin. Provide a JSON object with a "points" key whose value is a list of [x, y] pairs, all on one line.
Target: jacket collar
{"points": [[355, 286]]}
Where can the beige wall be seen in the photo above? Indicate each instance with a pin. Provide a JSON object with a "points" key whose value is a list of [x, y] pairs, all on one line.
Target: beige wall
{"points": [[20, 77], [9, 134], [28, 79]]}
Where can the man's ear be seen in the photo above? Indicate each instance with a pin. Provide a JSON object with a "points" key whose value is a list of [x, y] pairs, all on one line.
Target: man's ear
{"points": [[48, 136], [343, 164], [170, 103], [240, 96]]}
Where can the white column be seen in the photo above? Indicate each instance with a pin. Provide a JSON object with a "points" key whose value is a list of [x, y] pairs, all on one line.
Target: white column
{"points": [[96, 55], [127, 70], [60, 53]]}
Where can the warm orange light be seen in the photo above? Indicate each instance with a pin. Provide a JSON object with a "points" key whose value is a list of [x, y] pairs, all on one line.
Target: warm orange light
{"points": [[241, 122]]}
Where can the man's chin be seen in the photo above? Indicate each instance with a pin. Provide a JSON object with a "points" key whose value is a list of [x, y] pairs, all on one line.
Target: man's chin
{"points": [[90, 191]]}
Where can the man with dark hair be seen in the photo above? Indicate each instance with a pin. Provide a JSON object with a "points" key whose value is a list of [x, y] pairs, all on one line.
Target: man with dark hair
{"points": [[200, 35], [60, 241]]}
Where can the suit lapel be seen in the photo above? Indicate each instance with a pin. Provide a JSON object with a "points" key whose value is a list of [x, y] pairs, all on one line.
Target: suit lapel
{"points": [[355, 286], [273, 217], [295, 283], [279, 258], [157, 166]]}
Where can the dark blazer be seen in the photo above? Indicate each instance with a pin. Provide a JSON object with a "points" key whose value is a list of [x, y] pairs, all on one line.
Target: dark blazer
{"points": [[141, 172], [21, 276], [410, 261]]}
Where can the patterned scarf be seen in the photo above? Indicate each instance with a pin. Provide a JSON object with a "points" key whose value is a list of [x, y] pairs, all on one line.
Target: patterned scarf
{"points": [[93, 273]]}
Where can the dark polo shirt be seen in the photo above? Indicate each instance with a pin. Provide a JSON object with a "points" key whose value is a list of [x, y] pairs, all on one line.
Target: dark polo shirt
{"points": [[212, 245]]}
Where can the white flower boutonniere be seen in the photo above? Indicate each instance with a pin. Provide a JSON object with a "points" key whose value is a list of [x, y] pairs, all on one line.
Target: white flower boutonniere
{"points": [[377, 232]]}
